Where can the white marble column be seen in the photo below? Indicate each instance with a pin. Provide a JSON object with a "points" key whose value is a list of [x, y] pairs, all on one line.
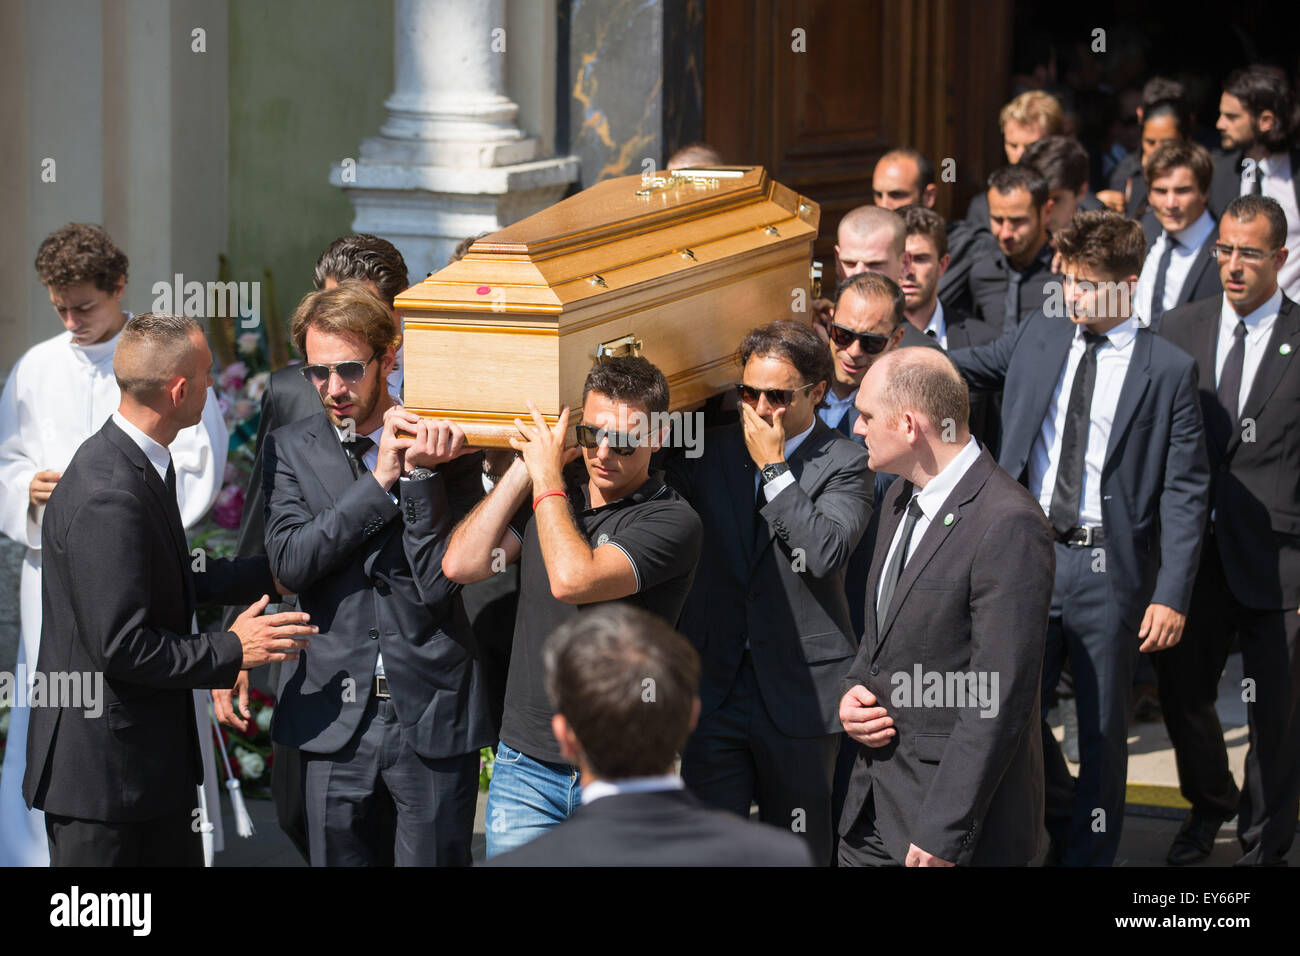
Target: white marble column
{"points": [[450, 161]]}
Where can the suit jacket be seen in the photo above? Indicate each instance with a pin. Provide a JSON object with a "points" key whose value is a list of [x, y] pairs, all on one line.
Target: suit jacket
{"points": [[660, 828], [1225, 185], [974, 598], [1155, 480], [1203, 277], [369, 571], [1255, 485], [747, 585], [118, 596], [288, 398], [966, 331], [967, 244]]}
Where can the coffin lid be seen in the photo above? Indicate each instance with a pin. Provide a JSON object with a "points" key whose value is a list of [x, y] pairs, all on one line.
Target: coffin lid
{"points": [[548, 262]]}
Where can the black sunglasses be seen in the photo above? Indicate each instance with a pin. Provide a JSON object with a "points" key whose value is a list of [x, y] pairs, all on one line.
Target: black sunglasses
{"points": [[589, 436], [351, 372], [869, 342], [775, 396]]}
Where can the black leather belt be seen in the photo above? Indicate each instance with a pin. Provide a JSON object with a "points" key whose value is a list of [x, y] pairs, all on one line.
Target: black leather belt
{"points": [[1083, 537], [381, 687]]}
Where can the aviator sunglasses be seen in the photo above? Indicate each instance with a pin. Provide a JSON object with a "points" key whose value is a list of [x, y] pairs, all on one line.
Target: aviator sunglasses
{"points": [[351, 372]]}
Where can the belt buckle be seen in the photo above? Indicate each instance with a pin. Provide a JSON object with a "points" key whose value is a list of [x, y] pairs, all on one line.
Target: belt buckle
{"points": [[1087, 536], [381, 687]]}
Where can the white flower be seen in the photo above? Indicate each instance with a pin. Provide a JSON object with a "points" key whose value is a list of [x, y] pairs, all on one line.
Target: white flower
{"points": [[256, 386], [264, 719], [250, 764], [248, 343]]}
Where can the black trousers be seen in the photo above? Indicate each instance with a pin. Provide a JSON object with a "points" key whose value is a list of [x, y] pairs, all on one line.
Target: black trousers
{"points": [[1096, 636], [377, 802], [171, 840], [1266, 807], [286, 793], [861, 845], [737, 755]]}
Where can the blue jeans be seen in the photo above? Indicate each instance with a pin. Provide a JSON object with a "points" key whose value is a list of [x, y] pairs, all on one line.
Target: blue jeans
{"points": [[526, 797]]}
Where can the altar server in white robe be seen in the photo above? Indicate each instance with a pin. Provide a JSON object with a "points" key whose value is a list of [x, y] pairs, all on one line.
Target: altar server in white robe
{"points": [[57, 395]]}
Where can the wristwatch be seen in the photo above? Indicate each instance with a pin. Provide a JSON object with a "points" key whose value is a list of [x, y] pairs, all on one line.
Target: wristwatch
{"points": [[419, 474], [774, 471]]}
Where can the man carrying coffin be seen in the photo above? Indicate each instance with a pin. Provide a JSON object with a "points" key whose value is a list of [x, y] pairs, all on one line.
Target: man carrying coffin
{"points": [[608, 532]]}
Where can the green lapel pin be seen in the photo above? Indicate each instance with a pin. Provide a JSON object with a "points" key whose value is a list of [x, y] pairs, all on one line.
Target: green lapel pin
{"points": [[1285, 348], [948, 518]]}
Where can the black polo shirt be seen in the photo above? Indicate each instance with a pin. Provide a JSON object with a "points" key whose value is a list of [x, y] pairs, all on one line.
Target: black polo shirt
{"points": [[988, 285], [659, 532]]}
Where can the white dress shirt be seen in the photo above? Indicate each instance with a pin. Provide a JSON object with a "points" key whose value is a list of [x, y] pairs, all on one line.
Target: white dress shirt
{"points": [[930, 499], [1259, 327], [1113, 357], [938, 325], [774, 487], [836, 407], [1190, 240], [157, 454], [1277, 185], [609, 788]]}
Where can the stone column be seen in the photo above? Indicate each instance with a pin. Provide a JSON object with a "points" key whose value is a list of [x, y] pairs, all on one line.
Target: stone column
{"points": [[450, 161]]}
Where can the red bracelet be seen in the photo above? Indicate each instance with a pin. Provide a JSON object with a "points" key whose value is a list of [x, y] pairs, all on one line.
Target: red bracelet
{"points": [[546, 494]]}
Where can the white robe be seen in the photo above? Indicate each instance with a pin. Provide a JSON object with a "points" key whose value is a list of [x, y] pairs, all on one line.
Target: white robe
{"points": [[56, 397]]}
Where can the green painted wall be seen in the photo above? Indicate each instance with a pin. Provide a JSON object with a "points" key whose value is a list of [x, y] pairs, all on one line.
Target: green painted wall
{"points": [[308, 80]]}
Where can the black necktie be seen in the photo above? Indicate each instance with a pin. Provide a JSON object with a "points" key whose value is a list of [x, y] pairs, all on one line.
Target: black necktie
{"points": [[1257, 180], [1230, 378], [170, 482], [932, 333], [894, 571], [1011, 305], [356, 450], [1064, 511], [1158, 292]]}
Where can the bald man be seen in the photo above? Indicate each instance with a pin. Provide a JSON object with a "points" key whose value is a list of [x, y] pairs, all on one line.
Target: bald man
{"points": [[957, 598], [116, 781], [903, 177], [869, 239]]}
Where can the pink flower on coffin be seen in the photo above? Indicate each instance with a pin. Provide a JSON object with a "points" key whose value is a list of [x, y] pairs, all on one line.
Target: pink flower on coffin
{"points": [[229, 508], [232, 376]]}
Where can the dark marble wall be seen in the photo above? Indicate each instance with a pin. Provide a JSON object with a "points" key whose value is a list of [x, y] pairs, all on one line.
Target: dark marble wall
{"points": [[615, 77], [683, 99]]}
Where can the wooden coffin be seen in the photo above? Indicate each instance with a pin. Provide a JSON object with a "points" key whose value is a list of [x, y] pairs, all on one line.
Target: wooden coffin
{"points": [[676, 270]]}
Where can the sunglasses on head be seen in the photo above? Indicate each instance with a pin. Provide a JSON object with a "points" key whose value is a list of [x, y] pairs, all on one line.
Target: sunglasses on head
{"points": [[620, 443], [775, 396], [869, 342], [351, 372]]}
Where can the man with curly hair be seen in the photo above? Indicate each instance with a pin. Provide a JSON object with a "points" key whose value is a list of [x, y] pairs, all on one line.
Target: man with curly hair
{"points": [[59, 394]]}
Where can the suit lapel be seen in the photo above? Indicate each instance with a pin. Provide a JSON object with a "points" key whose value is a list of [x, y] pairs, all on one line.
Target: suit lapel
{"points": [[740, 489], [1199, 265], [330, 461], [1136, 381], [891, 517], [1273, 366], [935, 535]]}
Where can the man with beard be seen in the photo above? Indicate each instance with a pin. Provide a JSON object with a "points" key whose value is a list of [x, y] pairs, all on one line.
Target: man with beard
{"points": [[1010, 286]]}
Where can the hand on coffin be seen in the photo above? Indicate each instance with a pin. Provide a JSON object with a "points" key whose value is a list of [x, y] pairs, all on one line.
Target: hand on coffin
{"points": [[401, 430], [766, 443], [543, 450], [437, 441]]}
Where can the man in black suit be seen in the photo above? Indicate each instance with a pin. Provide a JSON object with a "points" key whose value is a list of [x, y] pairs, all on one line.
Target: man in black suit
{"points": [[925, 310], [960, 586], [1179, 266], [1100, 422], [784, 500], [1256, 127], [118, 596], [290, 398], [388, 707], [1011, 285], [1246, 344], [625, 690]]}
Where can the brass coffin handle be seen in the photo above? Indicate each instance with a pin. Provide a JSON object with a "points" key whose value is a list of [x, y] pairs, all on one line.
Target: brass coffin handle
{"points": [[626, 345]]}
